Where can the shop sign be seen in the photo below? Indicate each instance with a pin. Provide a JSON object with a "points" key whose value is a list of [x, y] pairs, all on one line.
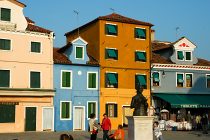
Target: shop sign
{"points": [[195, 106], [9, 103]]}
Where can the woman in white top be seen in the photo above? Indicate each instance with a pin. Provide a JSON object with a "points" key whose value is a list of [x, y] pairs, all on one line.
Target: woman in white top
{"points": [[93, 127]]}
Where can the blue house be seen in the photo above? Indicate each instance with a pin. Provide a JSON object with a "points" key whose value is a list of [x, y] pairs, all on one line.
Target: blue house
{"points": [[76, 80], [180, 81]]}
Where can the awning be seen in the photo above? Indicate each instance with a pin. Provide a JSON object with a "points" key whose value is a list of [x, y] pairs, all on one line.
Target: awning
{"points": [[185, 100]]}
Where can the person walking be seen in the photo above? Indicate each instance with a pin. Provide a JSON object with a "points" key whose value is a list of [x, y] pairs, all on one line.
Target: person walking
{"points": [[93, 127], [119, 134], [106, 126], [157, 132], [204, 122], [198, 122]]}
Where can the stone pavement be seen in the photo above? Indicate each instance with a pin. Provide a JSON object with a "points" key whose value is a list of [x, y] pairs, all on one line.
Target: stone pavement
{"points": [[78, 135]]}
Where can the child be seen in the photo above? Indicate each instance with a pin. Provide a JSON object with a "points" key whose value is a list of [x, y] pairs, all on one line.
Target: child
{"points": [[119, 134], [157, 132]]}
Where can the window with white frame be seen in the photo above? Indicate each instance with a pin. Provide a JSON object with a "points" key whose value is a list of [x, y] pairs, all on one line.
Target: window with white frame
{"points": [[79, 52], [140, 33], [92, 80], [4, 78], [188, 79], [208, 81], [111, 109], [92, 108], [156, 78], [5, 44], [65, 110], [184, 55], [180, 79], [36, 47], [66, 79], [111, 29]]}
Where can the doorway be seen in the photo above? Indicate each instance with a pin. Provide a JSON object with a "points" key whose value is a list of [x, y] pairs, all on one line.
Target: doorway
{"points": [[30, 119], [79, 118]]}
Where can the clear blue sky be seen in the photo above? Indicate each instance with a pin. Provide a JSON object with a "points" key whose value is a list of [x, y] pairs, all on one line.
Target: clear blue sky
{"points": [[191, 16]]}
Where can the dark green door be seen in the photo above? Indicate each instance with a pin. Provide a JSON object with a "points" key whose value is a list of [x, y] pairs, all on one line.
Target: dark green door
{"points": [[30, 119]]}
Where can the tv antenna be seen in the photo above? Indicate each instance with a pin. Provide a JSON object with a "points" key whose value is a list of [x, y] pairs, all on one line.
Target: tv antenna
{"points": [[77, 13], [112, 9]]}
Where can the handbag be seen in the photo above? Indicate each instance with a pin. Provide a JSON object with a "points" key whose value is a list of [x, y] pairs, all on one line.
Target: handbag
{"points": [[94, 131]]}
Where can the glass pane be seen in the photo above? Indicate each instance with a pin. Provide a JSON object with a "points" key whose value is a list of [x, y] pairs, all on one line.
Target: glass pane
{"points": [[79, 52], [140, 33], [35, 46], [35, 79], [111, 29], [180, 55], [5, 44], [4, 78], [188, 55], [7, 113]]}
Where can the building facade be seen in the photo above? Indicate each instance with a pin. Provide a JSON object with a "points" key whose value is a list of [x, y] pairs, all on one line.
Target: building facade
{"points": [[26, 72], [180, 80], [121, 45], [76, 79]]}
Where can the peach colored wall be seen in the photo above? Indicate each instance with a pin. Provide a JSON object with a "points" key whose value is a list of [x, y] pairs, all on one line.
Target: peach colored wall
{"points": [[20, 60], [17, 15], [19, 124]]}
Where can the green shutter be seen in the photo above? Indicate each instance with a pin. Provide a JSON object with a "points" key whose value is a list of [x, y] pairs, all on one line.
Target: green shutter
{"points": [[115, 110], [79, 52], [111, 29], [5, 44], [66, 79], [140, 33], [106, 109], [92, 80], [4, 78], [156, 77], [65, 110], [112, 78], [180, 78], [141, 56], [7, 113], [188, 55], [91, 108], [35, 80], [180, 55], [5, 14], [63, 115], [35, 47]]}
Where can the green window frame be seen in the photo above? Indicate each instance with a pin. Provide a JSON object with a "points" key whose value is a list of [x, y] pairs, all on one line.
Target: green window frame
{"points": [[92, 80], [5, 44], [188, 56], [141, 80], [208, 81], [140, 56], [111, 110], [111, 29], [36, 47], [156, 78], [5, 14], [140, 33], [65, 110], [7, 113], [111, 80], [111, 54], [180, 55], [66, 77], [79, 52], [92, 108], [35, 79], [4, 78]]}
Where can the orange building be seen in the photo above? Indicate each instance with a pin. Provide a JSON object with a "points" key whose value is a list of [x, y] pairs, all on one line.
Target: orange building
{"points": [[122, 47]]}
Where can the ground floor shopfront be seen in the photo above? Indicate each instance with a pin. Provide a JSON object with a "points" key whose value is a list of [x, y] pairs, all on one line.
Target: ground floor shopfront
{"points": [[31, 111], [182, 108]]}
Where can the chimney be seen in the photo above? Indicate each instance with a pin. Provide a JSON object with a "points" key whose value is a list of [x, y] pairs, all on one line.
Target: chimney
{"points": [[152, 35]]}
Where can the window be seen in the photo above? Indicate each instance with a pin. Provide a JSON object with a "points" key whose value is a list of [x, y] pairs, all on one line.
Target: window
{"points": [[66, 79], [36, 47], [65, 110], [156, 78], [5, 44], [92, 108], [35, 79], [92, 80], [4, 78], [7, 113], [111, 54], [208, 81], [5, 14], [180, 55], [140, 56], [180, 80], [111, 80], [188, 56], [140, 33], [111, 29], [79, 52], [111, 110], [188, 80], [141, 80]]}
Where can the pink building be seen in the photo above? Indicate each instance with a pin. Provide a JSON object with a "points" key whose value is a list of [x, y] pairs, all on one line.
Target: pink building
{"points": [[26, 72]]}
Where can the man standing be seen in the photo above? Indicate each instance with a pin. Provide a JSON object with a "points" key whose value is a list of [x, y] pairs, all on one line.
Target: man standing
{"points": [[106, 126]]}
